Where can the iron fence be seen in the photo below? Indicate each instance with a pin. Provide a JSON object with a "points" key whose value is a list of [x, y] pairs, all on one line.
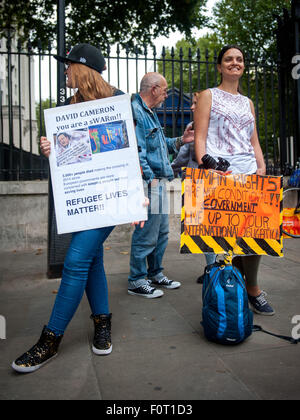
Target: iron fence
{"points": [[28, 86]]}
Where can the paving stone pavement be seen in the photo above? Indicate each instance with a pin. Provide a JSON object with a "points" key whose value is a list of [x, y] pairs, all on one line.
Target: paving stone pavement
{"points": [[159, 350]]}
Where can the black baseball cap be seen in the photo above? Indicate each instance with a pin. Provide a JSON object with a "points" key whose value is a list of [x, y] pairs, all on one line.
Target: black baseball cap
{"points": [[85, 54]]}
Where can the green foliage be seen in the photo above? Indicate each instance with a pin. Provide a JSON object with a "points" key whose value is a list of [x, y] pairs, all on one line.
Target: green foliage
{"points": [[248, 23], [103, 22], [39, 112], [28, 18], [252, 24], [191, 65]]}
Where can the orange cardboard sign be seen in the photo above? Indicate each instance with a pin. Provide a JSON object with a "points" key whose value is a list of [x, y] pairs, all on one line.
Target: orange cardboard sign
{"points": [[234, 206]]}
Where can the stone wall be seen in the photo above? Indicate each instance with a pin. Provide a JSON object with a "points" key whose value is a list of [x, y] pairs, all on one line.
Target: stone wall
{"points": [[24, 212], [24, 216]]}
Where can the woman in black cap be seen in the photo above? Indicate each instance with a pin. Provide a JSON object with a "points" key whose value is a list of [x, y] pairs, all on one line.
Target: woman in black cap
{"points": [[83, 266], [85, 65]]}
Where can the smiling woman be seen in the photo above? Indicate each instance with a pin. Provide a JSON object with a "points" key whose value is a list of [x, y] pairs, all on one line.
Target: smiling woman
{"points": [[225, 127], [231, 64]]}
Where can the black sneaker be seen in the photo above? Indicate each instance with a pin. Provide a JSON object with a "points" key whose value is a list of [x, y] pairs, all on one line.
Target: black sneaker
{"points": [[259, 305], [165, 282], [146, 291]]}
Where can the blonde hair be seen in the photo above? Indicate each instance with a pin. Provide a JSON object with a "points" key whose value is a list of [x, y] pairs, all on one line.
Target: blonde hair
{"points": [[90, 84]]}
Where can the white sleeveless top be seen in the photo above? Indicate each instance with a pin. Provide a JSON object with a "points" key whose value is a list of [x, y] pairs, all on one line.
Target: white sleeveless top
{"points": [[230, 130]]}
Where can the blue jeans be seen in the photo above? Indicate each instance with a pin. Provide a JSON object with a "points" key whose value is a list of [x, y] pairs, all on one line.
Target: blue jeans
{"points": [[83, 271], [210, 258], [148, 244]]}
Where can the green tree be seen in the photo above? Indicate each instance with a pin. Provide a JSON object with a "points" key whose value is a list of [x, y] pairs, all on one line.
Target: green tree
{"points": [[39, 112], [252, 24], [248, 23], [103, 22], [191, 64]]}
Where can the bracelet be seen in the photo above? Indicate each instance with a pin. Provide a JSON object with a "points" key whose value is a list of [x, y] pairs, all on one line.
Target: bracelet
{"points": [[179, 142]]}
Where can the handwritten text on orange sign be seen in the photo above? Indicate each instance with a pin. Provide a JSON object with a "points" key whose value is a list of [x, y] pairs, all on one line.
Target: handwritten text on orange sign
{"points": [[232, 206]]}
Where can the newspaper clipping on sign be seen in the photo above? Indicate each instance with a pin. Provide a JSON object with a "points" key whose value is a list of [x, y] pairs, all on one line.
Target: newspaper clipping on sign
{"points": [[94, 164]]}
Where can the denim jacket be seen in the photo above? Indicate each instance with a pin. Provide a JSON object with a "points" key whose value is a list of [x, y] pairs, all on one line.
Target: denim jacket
{"points": [[154, 147]]}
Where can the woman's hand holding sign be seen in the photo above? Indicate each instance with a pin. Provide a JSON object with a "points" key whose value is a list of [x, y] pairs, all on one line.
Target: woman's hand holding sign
{"points": [[45, 146], [221, 173]]}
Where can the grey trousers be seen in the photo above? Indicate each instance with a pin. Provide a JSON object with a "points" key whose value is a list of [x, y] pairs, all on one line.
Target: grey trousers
{"points": [[248, 266]]}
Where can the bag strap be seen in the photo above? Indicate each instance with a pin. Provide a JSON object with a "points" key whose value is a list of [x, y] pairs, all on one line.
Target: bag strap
{"points": [[284, 337], [239, 275], [211, 281]]}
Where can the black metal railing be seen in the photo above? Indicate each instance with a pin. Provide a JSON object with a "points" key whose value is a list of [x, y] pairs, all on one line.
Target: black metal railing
{"points": [[29, 86]]}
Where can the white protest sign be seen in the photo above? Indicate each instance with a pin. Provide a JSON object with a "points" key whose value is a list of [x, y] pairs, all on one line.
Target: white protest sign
{"points": [[94, 164]]}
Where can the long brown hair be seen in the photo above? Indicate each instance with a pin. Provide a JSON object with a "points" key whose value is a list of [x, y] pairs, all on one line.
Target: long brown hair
{"points": [[90, 84]]}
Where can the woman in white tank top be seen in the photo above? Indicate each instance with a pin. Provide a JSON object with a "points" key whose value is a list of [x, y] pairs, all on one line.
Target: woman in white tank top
{"points": [[224, 122]]}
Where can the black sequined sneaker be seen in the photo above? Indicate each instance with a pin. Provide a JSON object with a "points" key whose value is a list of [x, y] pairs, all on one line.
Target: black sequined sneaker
{"points": [[41, 353], [102, 337]]}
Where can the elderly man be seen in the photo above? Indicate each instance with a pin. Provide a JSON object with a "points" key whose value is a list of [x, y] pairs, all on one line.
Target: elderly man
{"points": [[149, 244]]}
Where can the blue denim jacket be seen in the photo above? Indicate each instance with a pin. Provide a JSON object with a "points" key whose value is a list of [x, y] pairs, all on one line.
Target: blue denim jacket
{"points": [[154, 147]]}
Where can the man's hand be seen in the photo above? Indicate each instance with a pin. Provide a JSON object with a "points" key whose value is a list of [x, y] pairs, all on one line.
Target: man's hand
{"points": [[154, 183], [142, 224], [188, 135]]}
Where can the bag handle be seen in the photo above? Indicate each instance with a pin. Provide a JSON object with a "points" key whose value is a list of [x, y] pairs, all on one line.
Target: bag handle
{"points": [[226, 258], [284, 337]]}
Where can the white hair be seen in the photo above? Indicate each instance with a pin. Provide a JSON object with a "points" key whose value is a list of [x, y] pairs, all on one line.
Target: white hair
{"points": [[149, 80]]}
